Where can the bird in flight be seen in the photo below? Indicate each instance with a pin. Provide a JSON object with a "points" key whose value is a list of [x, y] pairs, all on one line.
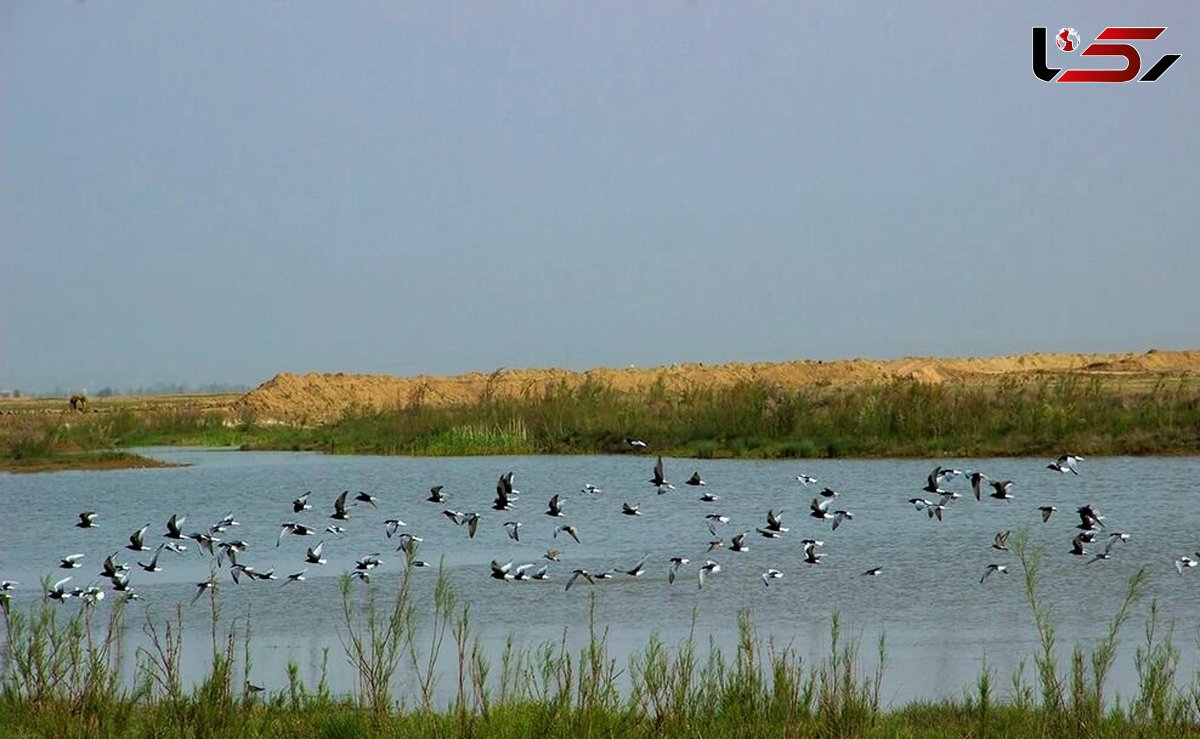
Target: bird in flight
{"points": [[1002, 569], [1066, 463], [659, 480]]}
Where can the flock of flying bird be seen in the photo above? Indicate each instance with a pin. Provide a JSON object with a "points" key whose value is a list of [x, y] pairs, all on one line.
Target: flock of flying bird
{"points": [[229, 552]]}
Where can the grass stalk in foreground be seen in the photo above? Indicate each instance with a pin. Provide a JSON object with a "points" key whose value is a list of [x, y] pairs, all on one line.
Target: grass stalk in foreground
{"points": [[61, 676]]}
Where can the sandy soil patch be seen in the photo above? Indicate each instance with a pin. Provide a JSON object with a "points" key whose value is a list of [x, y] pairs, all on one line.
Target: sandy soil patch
{"points": [[314, 398]]}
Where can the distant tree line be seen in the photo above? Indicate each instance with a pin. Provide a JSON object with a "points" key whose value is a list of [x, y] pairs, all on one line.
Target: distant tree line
{"points": [[155, 389]]}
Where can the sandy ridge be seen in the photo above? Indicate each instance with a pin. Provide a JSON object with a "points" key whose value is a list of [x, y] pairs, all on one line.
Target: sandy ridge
{"points": [[315, 398]]}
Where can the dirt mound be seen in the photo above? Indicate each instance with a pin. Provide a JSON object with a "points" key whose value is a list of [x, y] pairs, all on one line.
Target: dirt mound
{"points": [[316, 398]]}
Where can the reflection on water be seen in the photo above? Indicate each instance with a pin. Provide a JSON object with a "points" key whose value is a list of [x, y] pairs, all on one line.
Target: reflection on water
{"points": [[940, 622]]}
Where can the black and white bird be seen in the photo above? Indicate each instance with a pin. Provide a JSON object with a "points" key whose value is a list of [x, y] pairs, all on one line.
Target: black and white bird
{"points": [[409, 544], [578, 574], [695, 479], [293, 528], [208, 586], [301, 504], [175, 527], [805, 479], [708, 568], [1066, 463], [87, 520], [639, 568], [631, 509], [1002, 569], [769, 575], [569, 530], [227, 521], [368, 563], [436, 495], [811, 555], [659, 480], [715, 520], [1113, 539], [152, 565], [391, 526], [819, 508], [313, 554], [1000, 490], [137, 540], [339, 508], [513, 529], [1089, 518], [505, 493], [58, 592], [502, 571], [775, 522], [677, 563], [70, 562], [362, 497], [555, 507], [936, 478], [977, 479], [1047, 512], [110, 568]]}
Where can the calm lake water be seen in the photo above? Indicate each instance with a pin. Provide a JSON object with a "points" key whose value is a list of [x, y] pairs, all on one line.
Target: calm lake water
{"points": [[940, 622]]}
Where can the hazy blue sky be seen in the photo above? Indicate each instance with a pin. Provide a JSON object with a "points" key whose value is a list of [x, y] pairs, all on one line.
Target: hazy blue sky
{"points": [[215, 192]]}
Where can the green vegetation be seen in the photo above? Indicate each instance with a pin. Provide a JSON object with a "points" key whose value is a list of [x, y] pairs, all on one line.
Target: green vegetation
{"points": [[62, 677], [903, 418]]}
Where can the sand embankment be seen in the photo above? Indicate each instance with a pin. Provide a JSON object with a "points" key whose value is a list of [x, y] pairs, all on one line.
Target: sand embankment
{"points": [[315, 398]]}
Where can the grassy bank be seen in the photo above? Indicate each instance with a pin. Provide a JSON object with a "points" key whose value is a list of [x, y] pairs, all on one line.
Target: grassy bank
{"points": [[896, 419], [58, 462], [62, 667]]}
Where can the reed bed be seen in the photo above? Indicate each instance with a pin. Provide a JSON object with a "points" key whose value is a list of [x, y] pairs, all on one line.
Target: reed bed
{"points": [[63, 664], [901, 418]]}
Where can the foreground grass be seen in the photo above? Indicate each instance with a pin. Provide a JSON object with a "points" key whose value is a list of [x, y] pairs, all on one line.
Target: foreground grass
{"points": [[903, 418], [61, 677]]}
